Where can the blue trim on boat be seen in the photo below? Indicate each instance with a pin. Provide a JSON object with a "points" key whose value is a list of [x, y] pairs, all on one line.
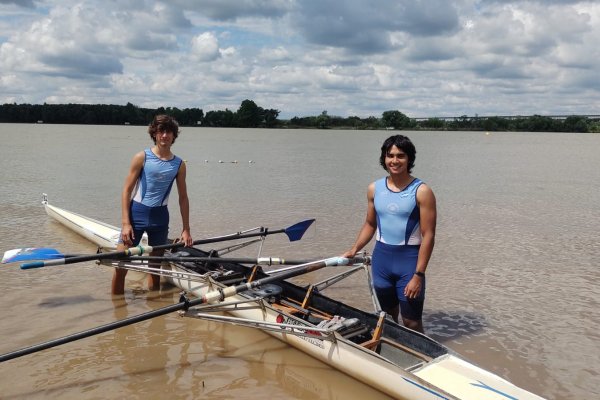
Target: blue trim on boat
{"points": [[426, 389], [484, 386]]}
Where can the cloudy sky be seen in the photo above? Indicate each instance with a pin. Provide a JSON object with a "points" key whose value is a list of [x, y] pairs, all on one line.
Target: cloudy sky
{"points": [[347, 57]]}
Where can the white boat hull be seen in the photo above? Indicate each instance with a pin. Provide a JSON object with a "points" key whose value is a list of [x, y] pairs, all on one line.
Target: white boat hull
{"points": [[445, 377]]}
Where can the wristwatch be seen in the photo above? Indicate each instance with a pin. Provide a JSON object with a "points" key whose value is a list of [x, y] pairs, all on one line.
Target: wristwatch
{"points": [[419, 273]]}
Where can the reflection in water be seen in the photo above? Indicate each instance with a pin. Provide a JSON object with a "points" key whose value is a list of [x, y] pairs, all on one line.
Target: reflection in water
{"points": [[52, 302], [133, 346], [269, 360], [444, 326]]}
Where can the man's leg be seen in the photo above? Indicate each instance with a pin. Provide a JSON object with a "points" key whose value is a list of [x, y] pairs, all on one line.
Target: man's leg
{"points": [[118, 280], [153, 279], [415, 325]]}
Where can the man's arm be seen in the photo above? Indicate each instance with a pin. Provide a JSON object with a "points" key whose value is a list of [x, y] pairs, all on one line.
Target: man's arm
{"points": [[184, 205], [370, 225], [137, 163]]}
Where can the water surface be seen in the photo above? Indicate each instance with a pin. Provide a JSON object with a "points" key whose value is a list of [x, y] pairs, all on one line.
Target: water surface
{"points": [[512, 284]]}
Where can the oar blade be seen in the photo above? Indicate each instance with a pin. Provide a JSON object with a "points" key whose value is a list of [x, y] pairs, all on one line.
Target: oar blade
{"points": [[296, 231], [31, 253]]}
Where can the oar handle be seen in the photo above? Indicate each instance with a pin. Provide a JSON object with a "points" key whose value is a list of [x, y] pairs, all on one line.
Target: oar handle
{"points": [[39, 264]]}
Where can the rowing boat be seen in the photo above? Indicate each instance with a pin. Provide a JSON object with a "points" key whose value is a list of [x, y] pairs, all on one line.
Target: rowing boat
{"points": [[367, 346]]}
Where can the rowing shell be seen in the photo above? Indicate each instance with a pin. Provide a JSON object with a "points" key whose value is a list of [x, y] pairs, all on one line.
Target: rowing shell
{"points": [[105, 236], [376, 351]]}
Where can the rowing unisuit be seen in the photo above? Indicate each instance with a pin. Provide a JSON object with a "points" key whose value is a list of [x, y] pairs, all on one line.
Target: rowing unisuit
{"points": [[156, 180], [397, 214]]}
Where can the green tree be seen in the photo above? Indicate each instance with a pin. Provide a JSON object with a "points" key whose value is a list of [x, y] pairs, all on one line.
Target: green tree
{"points": [[373, 122], [575, 123], [463, 122], [220, 118], [434, 123], [323, 120], [249, 115], [395, 119], [270, 117], [538, 123], [495, 124]]}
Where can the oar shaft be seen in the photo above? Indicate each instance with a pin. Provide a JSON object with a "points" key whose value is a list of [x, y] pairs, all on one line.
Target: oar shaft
{"points": [[93, 331], [221, 294], [259, 261], [293, 232], [136, 251], [213, 296], [133, 251]]}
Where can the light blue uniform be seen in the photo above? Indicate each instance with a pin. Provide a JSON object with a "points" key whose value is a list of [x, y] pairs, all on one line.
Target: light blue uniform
{"points": [[149, 212], [156, 180], [397, 247], [397, 214]]}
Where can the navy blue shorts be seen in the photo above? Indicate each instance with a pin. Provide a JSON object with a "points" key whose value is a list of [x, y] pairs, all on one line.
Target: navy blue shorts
{"points": [[393, 267], [152, 220]]}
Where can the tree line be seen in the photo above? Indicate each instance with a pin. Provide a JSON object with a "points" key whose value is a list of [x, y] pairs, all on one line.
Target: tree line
{"points": [[394, 119], [250, 115]]}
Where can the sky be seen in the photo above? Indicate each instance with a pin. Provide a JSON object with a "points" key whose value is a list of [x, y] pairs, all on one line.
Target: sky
{"points": [[429, 58]]}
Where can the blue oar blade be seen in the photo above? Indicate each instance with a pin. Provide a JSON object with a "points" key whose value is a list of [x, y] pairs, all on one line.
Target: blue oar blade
{"points": [[31, 253], [296, 231]]}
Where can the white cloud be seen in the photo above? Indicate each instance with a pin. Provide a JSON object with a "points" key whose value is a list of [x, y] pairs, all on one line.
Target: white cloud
{"points": [[303, 57], [205, 47]]}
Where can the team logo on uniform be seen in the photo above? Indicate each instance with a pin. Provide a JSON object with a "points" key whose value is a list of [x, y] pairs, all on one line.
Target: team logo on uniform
{"points": [[393, 208]]}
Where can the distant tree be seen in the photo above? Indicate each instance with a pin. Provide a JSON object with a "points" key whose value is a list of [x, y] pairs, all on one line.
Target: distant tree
{"points": [[270, 118], [461, 123], [220, 118], [495, 124], [576, 123], [594, 126], [355, 122], [249, 115], [433, 123], [395, 119], [373, 122], [323, 120], [304, 122], [538, 123]]}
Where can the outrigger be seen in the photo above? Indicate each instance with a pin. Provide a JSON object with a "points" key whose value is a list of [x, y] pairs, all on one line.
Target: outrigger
{"points": [[367, 346]]}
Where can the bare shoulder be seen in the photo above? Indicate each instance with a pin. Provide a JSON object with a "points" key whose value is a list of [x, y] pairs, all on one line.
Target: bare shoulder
{"points": [[424, 193], [424, 188], [371, 190], [137, 162], [182, 168]]}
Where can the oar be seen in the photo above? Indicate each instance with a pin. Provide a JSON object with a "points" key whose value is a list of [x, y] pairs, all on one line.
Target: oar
{"points": [[258, 261], [294, 232], [32, 253], [209, 297]]}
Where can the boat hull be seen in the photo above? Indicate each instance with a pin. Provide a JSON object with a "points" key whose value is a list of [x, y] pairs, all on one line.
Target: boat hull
{"points": [[406, 365], [334, 350]]}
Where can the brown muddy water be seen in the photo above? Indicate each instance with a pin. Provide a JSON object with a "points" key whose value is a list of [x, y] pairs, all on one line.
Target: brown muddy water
{"points": [[512, 285]]}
